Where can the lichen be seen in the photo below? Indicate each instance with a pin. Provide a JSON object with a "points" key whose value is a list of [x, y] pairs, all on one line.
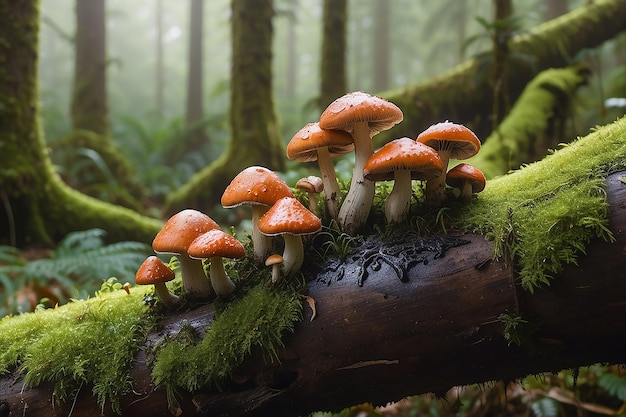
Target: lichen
{"points": [[543, 216], [82, 343]]}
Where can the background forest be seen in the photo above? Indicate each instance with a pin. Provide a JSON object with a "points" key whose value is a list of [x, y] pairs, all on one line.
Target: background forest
{"points": [[150, 111]]}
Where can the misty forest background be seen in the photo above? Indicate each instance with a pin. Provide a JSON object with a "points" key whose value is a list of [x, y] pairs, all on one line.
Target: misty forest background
{"points": [[390, 45]]}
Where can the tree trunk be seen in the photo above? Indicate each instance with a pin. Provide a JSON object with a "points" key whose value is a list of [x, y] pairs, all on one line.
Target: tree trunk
{"points": [[159, 83], [381, 54], [439, 327], [333, 61], [37, 206], [460, 92], [196, 137], [501, 60], [255, 135]]}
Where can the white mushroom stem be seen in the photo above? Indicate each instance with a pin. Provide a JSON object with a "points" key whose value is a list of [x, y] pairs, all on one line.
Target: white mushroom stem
{"points": [[293, 255], [329, 178], [436, 188], [358, 202], [466, 191], [276, 273], [398, 201], [195, 282], [171, 301], [261, 243], [221, 282]]}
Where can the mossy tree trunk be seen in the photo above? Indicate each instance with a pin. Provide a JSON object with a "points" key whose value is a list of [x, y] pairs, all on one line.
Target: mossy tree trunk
{"points": [[255, 134], [37, 205], [333, 60], [462, 93]]}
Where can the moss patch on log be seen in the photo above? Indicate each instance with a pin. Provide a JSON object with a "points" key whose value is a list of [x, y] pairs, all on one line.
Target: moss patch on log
{"points": [[88, 342], [543, 215]]}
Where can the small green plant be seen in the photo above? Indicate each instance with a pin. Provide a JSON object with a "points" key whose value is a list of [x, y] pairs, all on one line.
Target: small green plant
{"points": [[335, 242], [75, 268]]}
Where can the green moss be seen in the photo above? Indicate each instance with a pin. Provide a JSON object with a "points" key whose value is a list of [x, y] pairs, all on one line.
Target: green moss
{"points": [[257, 320], [543, 215], [83, 342]]}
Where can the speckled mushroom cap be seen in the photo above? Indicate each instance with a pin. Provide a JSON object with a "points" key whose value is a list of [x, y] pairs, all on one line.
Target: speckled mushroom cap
{"points": [[288, 215], [181, 229], [304, 144], [216, 243], [447, 136], [463, 173], [403, 154], [360, 107], [153, 271], [255, 185]]}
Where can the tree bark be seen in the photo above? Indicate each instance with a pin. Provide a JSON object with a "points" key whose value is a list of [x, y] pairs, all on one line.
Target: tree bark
{"points": [[255, 134], [459, 93], [387, 339], [333, 61]]}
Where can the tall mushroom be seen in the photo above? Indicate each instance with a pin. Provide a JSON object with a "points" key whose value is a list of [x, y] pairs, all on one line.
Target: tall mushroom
{"points": [[363, 116], [216, 245], [467, 178], [175, 237], [259, 188], [154, 272], [451, 141], [402, 160], [313, 143], [288, 217]]}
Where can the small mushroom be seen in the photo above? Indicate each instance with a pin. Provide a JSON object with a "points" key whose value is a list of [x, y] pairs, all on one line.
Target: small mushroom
{"points": [[275, 261], [216, 245], [313, 143], [450, 140], [289, 218], [259, 188], [175, 237], [363, 116], [154, 271], [311, 185], [402, 160], [467, 178]]}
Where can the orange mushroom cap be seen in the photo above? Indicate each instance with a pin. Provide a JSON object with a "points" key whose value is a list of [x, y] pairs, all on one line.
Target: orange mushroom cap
{"points": [[288, 215], [458, 139], [153, 271], [216, 243], [463, 173], [403, 154], [181, 229], [255, 185], [304, 144], [360, 107]]}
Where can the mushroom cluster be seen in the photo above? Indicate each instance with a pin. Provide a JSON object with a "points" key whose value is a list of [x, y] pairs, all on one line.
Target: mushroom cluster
{"points": [[347, 124]]}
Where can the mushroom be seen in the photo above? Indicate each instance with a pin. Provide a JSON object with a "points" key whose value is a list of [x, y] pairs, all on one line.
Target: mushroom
{"points": [[402, 160], [288, 217], [175, 237], [467, 178], [311, 185], [260, 188], [313, 143], [363, 116], [216, 245], [275, 261], [154, 271], [450, 140]]}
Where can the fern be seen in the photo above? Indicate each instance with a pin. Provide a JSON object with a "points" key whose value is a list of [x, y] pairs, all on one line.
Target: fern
{"points": [[614, 384]]}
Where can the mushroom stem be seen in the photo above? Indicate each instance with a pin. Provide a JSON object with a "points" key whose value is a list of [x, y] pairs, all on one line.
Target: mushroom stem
{"points": [[436, 188], [329, 178], [195, 282], [293, 255], [358, 202], [398, 201], [171, 301], [260, 242], [275, 273], [221, 282], [466, 191]]}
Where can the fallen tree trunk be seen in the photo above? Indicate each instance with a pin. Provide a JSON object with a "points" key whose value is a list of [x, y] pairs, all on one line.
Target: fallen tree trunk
{"points": [[437, 327]]}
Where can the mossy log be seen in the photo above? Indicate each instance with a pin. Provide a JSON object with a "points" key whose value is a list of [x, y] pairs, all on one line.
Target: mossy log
{"points": [[462, 93], [442, 325]]}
